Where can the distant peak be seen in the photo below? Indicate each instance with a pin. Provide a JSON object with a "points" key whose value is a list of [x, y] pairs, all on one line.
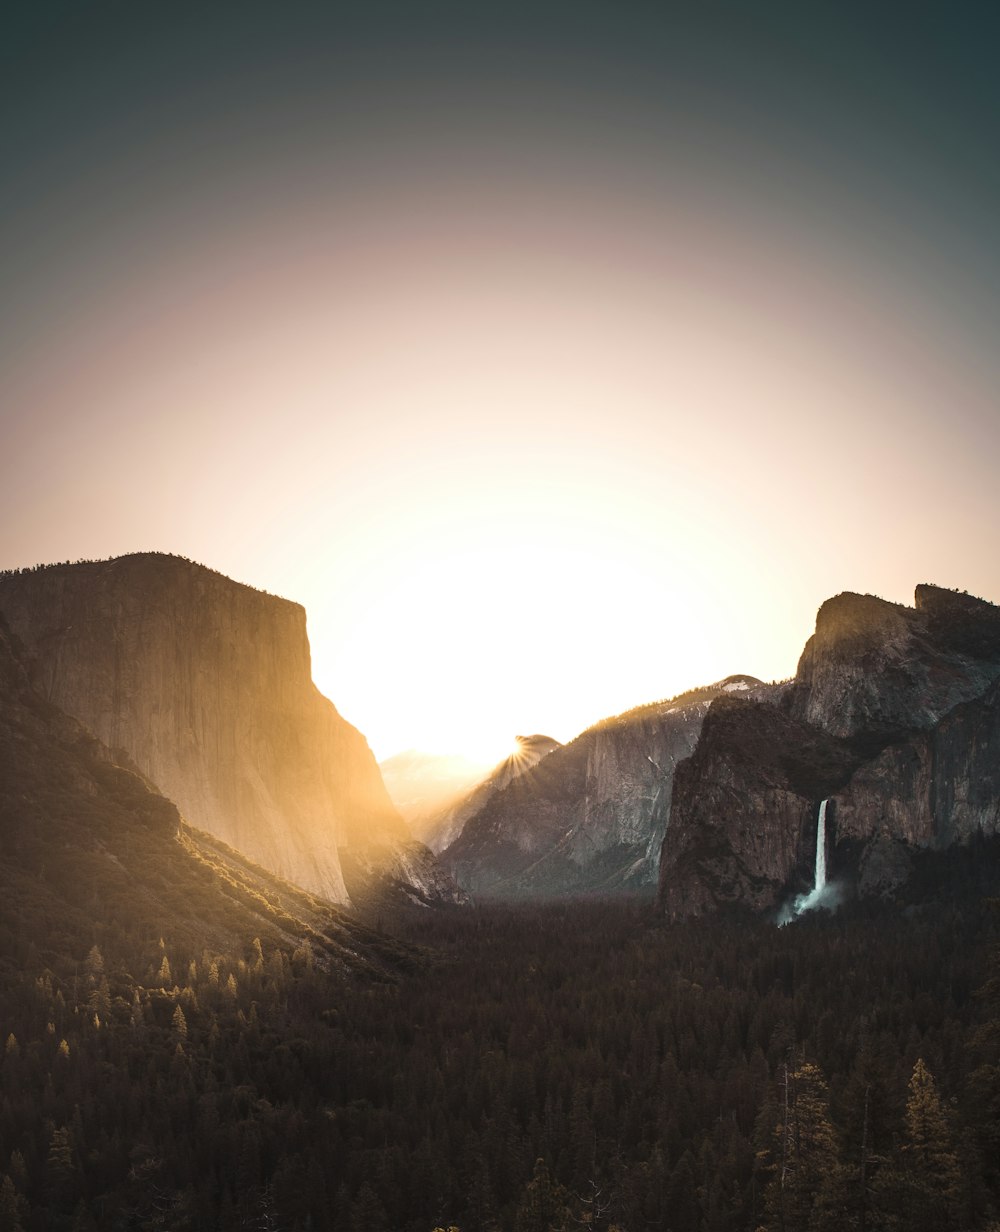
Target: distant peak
{"points": [[930, 598], [848, 616]]}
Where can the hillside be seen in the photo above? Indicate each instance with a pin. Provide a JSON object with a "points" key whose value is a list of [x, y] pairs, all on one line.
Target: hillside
{"points": [[204, 686]]}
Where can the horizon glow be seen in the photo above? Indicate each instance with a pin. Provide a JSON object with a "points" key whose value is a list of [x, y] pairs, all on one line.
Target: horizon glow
{"points": [[544, 403]]}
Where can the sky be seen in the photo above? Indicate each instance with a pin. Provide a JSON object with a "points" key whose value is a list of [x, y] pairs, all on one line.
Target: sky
{"points": [[556, 357]]}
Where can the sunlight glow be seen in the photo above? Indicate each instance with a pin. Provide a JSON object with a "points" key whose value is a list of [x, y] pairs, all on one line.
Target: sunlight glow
{"points": [[434, 424]]}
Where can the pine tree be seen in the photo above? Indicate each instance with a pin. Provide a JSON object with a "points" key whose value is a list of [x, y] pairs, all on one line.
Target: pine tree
{"points": [[544, 1205], [869, 1114], [12, 1207], [930, 1167], [95, 964], [806, 1155], [367, 1212], [61, 1169]]}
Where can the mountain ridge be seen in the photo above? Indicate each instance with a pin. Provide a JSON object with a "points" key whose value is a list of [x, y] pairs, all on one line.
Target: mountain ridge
{"points": [[894, 715], [590, 815], [204, 685], [91, 847]]}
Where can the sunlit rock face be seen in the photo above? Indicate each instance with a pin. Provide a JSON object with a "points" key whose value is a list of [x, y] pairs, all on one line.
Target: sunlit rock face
{"points": [[592, 814], [204, 686], [875, 669], [893, 714], [91, 848], [440, 827]]}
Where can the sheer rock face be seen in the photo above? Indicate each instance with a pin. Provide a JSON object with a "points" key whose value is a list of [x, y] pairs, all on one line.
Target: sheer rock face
{"points": [[875, 669], [88, 843], [204, 686], [592, 814], [442, 827], [893, 715], [744, 817], [934, 788]]}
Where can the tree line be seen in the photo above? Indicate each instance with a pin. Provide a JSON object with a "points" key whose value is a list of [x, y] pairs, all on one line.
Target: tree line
{"points": [[540, 1068]]}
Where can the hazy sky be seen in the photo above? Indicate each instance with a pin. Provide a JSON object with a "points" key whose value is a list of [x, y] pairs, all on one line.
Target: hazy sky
{"points": [[556, 357]]}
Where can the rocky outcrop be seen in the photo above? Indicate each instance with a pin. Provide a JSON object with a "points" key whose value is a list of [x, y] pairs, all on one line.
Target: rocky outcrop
{"points": [[893, 715], [744, 818], [203, 685], [874, 670], [441, 827], [592, 814], [934, 788], [884, 868], [91, 849]]}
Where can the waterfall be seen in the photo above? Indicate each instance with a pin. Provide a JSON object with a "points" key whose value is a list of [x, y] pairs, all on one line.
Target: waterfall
{"points": [[820, 895], [820, 880]]}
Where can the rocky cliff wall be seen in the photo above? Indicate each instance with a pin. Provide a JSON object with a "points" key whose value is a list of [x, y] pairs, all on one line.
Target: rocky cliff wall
{"points": [[592, 814], [874, 670], [443, 826], [742, 827], [204, 686], [932, 789], [892, 715], [91, 849]]}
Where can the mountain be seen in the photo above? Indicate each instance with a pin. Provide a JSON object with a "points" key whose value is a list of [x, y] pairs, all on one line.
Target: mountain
{"points": [[92, 853], [893, 715], [203, 686], [442, 826], [425, 785], [592, 814]]}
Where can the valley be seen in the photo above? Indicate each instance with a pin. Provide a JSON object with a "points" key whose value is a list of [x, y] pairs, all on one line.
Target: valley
{"points": [[529, 1068], [578, 1012]]}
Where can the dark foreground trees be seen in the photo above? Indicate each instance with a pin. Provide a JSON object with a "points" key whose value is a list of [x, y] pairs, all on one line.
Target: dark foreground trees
{"points": [[543, 1068]]}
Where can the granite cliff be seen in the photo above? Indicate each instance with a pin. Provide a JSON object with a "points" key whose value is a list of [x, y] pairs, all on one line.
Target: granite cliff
{"points": [[203, 686], [893, 716], [92, 850], [440, 827], [873, 669], [592, 814]]}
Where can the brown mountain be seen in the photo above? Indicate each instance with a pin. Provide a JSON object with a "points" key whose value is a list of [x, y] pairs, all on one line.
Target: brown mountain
{"points": [[442, 826], [893, 716], [92, 852], [203, 686], [591, 815]]}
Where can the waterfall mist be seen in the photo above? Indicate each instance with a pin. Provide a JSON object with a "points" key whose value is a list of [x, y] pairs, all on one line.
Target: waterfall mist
{"points": [[824, 893]]}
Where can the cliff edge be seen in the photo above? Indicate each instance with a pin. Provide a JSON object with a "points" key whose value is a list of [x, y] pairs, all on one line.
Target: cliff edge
{"points": [[204, 686]]}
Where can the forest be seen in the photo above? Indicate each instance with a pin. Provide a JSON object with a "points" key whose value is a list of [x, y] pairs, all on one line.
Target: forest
{"points": [[519, 1069]]}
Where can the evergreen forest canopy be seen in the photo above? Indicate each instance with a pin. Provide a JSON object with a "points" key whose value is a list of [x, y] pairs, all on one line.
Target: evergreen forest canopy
{"points": [[528, 1069]]}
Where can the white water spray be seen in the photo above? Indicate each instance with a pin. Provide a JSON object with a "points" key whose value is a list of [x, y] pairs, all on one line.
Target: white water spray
{"points": [[820, 883], [814, 898], [822, 894]]}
